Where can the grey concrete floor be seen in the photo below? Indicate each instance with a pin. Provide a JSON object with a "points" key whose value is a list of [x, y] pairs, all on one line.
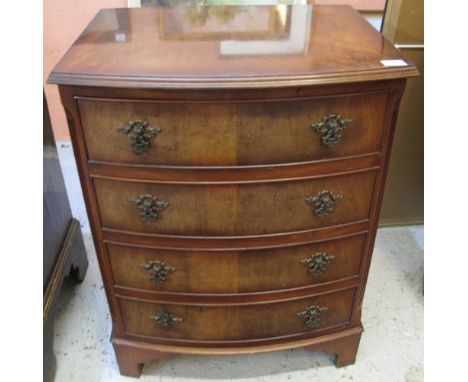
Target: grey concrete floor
{"points": [[391, 348]]}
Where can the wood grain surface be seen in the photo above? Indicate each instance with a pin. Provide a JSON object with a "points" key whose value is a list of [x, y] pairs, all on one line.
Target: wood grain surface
{"points": [[155, 48], [235, 323], [241, 271], [236, 210], [232, 133]]}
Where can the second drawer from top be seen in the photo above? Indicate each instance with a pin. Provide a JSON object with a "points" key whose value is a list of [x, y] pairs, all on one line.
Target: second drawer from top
{"points": [[237, 209], [215, 133]]}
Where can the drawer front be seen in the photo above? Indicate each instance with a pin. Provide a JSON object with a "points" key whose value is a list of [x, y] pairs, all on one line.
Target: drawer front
{"points": [[233, 323], [235, 133], [235, 271], [234, 210]]}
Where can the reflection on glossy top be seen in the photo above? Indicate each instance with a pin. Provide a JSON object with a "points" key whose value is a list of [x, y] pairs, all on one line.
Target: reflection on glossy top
{"points": [[226, 46]]}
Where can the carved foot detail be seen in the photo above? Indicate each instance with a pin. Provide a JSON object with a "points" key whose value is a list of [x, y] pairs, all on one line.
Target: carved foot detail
{"points": [[344, 348], [128, 365], [131, 358], [345, 351]]}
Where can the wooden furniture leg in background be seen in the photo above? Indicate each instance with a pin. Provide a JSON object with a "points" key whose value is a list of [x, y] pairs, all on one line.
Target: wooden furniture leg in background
{"points": [[71, 262]]}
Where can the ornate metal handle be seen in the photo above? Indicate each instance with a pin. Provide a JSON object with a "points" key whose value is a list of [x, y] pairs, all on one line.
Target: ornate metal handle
{"points": [[312, 315], [330, 128], [324, 202], [139, 134], [317, 263], [158, 270], [165, 319], [149, 206]]}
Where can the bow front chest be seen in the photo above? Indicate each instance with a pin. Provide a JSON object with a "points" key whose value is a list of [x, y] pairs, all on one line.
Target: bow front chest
{"points": [[233, 161]]}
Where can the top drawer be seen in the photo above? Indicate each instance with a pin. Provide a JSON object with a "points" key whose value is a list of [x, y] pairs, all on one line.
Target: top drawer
{"points": [[220, 133]]}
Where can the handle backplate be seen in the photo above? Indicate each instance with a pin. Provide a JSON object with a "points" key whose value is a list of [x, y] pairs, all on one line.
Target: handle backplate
{"points": [[324, 202], [330, 128], [149, 206], [140, 135], [158, 270], [317, 263], [312, 315], [166, 319]]}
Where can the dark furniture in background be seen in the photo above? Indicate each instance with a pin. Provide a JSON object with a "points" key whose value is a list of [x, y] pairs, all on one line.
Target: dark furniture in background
{"points": [[232, 214], [63, 247]]}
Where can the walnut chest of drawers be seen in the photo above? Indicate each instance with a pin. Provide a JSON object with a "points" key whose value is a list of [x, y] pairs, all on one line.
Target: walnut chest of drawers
{"points": [[233, 161]]}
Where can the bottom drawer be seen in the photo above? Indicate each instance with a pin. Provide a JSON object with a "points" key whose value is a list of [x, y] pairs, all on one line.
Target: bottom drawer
{"points": [[236, 323]]}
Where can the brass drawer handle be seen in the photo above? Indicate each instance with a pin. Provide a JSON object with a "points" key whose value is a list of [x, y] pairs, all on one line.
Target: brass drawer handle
{"points": [[317, 263], [139, 134], [312, 315], [324, 202], [158, 270], [149, 206], [166, 319], [330, 128]]}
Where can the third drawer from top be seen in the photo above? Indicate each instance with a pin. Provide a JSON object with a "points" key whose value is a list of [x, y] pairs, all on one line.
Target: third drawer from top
{"points": [[236, 271]]}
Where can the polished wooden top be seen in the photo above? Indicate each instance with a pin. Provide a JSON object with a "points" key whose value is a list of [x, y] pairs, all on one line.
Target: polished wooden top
{"points": [[220, 47]]}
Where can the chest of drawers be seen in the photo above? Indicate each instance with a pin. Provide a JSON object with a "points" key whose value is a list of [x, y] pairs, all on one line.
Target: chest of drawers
{"points": [[233, 161]]}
